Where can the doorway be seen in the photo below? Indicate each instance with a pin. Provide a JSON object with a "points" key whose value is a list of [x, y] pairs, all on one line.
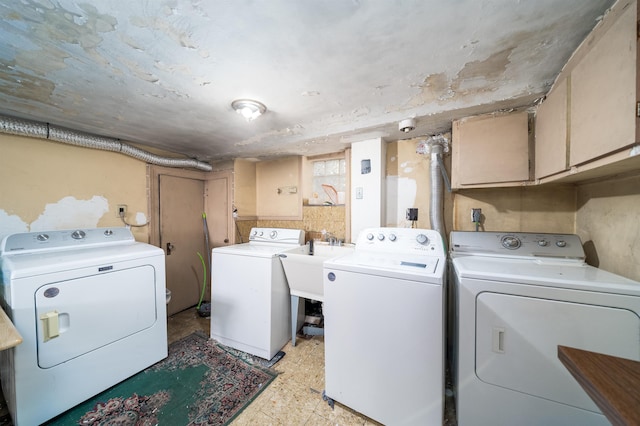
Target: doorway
{"points": [[178, 198]]}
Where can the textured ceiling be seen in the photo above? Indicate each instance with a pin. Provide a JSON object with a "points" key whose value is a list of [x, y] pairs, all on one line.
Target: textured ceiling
{"points": [[163, 73]]}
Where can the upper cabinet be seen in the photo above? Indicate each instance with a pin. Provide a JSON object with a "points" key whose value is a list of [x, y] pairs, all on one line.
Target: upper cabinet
{"points": [[551, 132], [588, 126], [490, 150], [604, 92]]}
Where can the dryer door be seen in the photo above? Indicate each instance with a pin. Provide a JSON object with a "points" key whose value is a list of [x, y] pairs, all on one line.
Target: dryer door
{"points": [[517, 339], [80, 315]]}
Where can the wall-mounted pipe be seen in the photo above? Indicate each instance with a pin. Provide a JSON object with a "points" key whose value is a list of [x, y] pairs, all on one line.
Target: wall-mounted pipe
{"points": [[34, 129], [436, 146]]}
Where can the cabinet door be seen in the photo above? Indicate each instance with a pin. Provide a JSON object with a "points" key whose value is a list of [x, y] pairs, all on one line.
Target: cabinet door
{"points": [[551, 133], [603, 93], [491, 149]]}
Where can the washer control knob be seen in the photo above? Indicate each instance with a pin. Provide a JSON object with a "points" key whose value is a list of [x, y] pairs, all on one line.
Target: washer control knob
{"points": [[422, 239], [42, 237], [260, 234], [392, 237], [370, 237], [273, 235], [108, 233], [510, 242], [543, 243], [561, 243], [254, 233], [381, 237], [78, 235]]}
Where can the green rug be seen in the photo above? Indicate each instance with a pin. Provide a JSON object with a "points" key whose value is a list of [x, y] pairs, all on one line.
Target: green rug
{"points": [[199, 383]]}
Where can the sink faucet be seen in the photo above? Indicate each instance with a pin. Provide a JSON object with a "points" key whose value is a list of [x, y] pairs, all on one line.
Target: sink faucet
{"points": [[331, 239]]}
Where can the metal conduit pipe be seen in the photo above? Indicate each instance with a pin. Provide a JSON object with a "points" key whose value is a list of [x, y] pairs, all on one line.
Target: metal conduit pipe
{"points": [[19, 127], [436, 146], [436, 204]]}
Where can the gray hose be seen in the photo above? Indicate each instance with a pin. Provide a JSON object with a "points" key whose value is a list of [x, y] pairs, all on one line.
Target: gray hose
{"points": [[19, 127]]}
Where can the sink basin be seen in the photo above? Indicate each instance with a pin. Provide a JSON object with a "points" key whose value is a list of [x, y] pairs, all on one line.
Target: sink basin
{"points": [[304, 272], [305, 276]]}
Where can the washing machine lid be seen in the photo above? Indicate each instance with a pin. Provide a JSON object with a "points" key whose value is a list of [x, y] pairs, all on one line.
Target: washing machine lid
{"points": [[253, 249], [265, 242], [544, 272], [409, 267]]}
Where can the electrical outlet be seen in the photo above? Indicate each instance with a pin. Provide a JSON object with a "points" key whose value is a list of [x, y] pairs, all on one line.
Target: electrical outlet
{"points": [[476, 214], [121, 211]]}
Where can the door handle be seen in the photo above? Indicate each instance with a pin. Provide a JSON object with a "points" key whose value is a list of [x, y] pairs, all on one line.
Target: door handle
{"points": [[226, 240], [169, 248]]}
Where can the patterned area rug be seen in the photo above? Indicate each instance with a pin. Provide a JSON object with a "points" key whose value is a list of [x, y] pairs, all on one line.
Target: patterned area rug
{"points": [[199, 383]]}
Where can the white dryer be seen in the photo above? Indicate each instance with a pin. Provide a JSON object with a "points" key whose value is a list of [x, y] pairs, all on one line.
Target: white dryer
{"points": [[518, 296], [384, 330], [250, 301], [90, 306]]}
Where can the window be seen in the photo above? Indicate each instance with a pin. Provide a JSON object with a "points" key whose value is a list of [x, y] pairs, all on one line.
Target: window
{"points": [[329, 182]]}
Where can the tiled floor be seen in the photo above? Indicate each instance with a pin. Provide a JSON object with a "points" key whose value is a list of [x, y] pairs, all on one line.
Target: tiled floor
{"points": [[295, 396]]}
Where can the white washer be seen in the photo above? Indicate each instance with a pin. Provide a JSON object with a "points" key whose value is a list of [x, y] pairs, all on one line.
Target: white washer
{"points": [[384, 330], [90, 306], [519, 296], [250, 303]]}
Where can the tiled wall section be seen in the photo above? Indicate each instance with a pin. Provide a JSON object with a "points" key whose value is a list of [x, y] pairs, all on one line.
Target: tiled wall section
{"points": [[315, 219]]}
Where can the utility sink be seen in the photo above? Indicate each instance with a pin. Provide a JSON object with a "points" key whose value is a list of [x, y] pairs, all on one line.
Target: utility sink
{"points": [[305, 276], [304, 271]]}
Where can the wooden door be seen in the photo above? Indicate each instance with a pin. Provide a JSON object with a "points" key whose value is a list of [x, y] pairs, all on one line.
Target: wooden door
{"points": [[218, 208], [182, 238]]}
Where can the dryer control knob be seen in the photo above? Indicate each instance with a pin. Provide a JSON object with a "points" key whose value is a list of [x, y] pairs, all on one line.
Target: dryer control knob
{"points": [[422, 239], [42, 237], [273, 235], [392, 237], [510, 242], [369, 237], [543, 243], [108, 233], [78, 235], [381, 237], [561, 243]]}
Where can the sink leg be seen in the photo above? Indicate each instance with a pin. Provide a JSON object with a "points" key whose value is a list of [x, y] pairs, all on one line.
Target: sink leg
{"points": [[294, 318]]}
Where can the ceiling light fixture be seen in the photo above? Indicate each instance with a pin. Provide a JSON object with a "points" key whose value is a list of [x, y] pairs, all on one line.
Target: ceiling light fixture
{"points": [[249, 108]]}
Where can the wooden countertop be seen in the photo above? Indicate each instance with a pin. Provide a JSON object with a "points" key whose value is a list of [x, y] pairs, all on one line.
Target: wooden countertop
{"points": [[613, 383], [9, 336]]}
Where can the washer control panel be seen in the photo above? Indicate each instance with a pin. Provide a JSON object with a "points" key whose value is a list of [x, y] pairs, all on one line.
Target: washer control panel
{"points": [[28, 242], [401, 240], [517, 244], [276, 236]]}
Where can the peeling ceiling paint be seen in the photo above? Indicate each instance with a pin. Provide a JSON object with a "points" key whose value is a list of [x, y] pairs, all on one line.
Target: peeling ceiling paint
{"points": [[164, 73]]}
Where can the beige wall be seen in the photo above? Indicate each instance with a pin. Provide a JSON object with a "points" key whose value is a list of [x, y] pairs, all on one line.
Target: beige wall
{"points": [[48, 185], [409, 185], [608, 222], [278, 189], [519, 209]]}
